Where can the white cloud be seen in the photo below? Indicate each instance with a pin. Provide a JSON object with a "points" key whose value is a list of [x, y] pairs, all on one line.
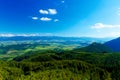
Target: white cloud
{"points": [[106, 30], [46, 12], [6, 35], [56, 20], [43, 11], [102, 26], [45, 19], [49, 11], [35, 18], [52, 11], [26, 35]]}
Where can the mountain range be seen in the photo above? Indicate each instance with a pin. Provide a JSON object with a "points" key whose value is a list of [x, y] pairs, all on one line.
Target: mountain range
{"points": [[22, 38], [95, 48], [114, 44]]}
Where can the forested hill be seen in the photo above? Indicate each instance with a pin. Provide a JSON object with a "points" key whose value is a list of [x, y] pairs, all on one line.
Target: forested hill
{"points": [[40, 63]]}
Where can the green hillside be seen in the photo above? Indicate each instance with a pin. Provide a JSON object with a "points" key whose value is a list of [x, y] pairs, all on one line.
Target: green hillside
{"points": [[61, 64], [52, 70]]}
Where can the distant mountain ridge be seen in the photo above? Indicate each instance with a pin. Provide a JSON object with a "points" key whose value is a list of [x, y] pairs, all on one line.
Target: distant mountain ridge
{"points": [[95, 48], [114, 44], [21, 38]]}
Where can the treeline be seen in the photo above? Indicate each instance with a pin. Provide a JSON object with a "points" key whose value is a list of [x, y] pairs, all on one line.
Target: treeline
{"points": [[58, 64], [52, 70], [110, 62]]}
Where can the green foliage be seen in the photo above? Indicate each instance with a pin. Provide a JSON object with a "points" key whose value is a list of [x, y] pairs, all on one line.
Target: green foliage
{"points": [[52, 70], [50, 62], [108, 61]]}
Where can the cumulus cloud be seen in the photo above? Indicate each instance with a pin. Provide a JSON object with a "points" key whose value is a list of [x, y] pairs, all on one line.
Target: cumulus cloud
{"points": [[45, 19], [102, 26], [49, 11], [106, 30], [56, 20], [35, 18], [52, 11], [43, 11]]}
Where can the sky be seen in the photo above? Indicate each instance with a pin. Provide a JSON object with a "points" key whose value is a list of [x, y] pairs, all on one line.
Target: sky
{"points": [[72, 18]]}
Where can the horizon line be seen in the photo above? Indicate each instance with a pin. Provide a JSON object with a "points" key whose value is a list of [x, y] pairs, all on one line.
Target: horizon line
{"points": [[46, 34]]}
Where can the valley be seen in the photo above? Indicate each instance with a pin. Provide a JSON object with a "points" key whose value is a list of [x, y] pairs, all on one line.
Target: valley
{"points": [[59, 39], [58, 59]]}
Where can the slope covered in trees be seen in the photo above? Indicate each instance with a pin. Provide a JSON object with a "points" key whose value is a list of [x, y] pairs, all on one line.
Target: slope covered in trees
{"points": [[109, 62], [52, 70], [99, 63]]}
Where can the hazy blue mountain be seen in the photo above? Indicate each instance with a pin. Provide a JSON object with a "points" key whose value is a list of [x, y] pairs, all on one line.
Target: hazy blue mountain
{"points": [[114, 44], [96, 48], [22, 38]]}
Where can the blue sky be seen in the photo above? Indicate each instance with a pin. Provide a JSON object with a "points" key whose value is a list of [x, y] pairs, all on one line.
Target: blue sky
{"points": [[91, 18]]}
